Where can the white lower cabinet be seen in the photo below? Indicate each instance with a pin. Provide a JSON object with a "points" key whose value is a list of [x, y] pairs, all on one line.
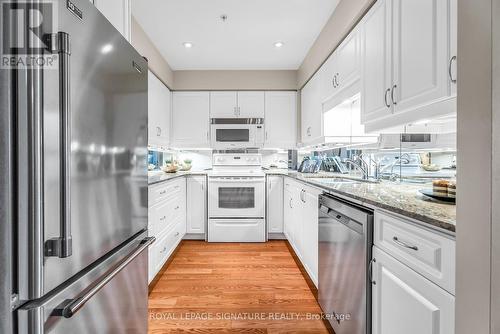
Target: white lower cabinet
{"points": [[275, 210], [196, 204], [301, 223], [166, 221], [406, 302]]}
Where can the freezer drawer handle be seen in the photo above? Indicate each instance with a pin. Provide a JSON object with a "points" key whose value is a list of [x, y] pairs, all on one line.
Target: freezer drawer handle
{"points": [[69, 307], [62, 246]]}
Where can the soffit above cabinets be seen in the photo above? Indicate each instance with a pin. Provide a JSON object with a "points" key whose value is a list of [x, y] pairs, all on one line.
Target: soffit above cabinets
{"points": [[246, 40]]}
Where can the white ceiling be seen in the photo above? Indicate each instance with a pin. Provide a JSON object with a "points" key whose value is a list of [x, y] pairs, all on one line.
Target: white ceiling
{"points": [[244, 42]]}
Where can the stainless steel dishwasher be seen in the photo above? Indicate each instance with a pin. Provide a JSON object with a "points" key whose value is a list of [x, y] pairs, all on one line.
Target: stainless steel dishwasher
{"points": [[345, 243]]}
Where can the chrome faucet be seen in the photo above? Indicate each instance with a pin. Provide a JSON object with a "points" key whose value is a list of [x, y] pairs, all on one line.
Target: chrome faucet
{"points": [[360, 164]]}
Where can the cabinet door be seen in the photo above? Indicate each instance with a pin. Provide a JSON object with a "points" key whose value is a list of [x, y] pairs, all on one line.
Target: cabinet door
{"points": [[159, 111], [312, 110], [453, 46], [342, 70], [275, 204], [287, 212], [190, 119], [223, 105], [281, 119], [405, 302], [118, 12], [196, 204], [348, 60], [420, 53], [376, 62], [251, 104], [328, 79], [309, 233]]}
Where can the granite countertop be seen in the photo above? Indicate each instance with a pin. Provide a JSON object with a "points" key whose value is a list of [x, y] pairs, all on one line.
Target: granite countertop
{"points": [[159, 176], [401, 198]]}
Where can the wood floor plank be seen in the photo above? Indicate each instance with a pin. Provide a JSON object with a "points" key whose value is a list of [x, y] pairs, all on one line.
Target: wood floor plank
{"points": [[233, 288]]}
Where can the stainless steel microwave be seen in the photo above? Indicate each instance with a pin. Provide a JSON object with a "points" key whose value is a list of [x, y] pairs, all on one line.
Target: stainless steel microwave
{"points": [[231, 133]]}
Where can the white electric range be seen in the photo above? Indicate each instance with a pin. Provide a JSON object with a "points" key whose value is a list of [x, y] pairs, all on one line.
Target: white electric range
{"points": [[236, 198]]}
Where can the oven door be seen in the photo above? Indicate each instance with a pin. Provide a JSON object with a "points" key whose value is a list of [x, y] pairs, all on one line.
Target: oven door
{"points": [[227, 136], [236, 197]]}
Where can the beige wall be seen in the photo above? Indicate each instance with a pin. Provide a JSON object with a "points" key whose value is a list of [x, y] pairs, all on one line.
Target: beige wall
{"points": [[157, 64], [474, 202], [240, 80], [495, 239], [343, 19]]}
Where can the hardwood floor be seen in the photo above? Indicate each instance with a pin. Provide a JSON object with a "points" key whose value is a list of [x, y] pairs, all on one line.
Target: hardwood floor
{"points": [[233, 288]]}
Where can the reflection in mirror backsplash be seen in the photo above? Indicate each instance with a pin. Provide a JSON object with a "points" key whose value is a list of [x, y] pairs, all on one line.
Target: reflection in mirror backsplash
{"points": [[400, 158]]}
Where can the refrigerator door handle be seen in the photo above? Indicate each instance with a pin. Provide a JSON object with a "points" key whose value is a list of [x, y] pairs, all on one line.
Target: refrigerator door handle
{"points": [[62, 246], [69, 307]]}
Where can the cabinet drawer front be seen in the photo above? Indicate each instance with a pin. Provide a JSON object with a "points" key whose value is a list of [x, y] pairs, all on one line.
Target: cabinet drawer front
{"points": [[158, 193], [429, 253], [166, 214]]}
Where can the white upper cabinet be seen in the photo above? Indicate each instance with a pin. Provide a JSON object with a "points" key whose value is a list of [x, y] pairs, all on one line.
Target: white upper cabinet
{"points": [[237, 104], [376, 65], [312, 110], [342, 70], [420, 51], [190, 119], [159, 112], [406, 62], [223, 104], [452, 69], [251, 104], [118, 12], [281, 119]]}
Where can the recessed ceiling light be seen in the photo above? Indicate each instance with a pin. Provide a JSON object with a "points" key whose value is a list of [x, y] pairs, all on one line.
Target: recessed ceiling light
{"points": [[107, 48], [278, 44], [187, 45]]}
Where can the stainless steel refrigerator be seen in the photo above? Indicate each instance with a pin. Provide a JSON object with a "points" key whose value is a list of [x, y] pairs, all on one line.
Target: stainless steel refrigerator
{"points": [[74, 181]]}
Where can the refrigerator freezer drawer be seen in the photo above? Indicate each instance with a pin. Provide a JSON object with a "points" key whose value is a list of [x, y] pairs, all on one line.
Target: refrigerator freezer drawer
{"points": [[236, 230], [109, 298]]}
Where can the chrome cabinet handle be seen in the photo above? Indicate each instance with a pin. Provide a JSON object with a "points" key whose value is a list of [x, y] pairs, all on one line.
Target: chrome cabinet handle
{"points": [[70, 307], [290, 204], [62, 246], [163, 192], [176, 208], [370, 271], [309, 131], [336, 81], [163, 218], [454, 58], [302, 196], [387, 104], [392, 94], [404, 244], [176, 234], [158, 131], [333, 82]]}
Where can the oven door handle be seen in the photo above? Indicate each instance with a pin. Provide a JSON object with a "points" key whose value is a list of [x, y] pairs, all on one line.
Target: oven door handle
{"points": [[242, 180]]}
